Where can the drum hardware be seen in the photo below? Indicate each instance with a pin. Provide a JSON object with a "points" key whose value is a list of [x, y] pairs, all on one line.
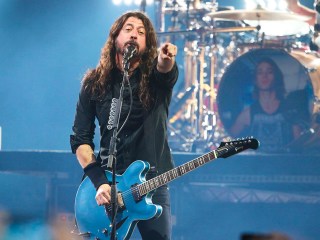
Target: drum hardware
{"points": [[143, 5], [179, 101], [190, 7], [203, 60], [195, 112], [200, 59], [196, 32], [189, 13], [257, 15], [316, 108], [200, 93], [269, 23], [311, 70], [195, 64], [299, 145], [311, 62]]}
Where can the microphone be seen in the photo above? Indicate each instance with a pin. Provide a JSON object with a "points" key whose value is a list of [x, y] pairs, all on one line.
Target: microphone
{"points": [[129, 52]]}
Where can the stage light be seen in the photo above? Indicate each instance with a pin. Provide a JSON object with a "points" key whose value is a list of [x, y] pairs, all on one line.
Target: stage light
{"points": [[266, 4], [261, 3], [131, 2], [116, 2], [282, 5], [250, 4], [138, 2], [127, 2], [272, 5]]}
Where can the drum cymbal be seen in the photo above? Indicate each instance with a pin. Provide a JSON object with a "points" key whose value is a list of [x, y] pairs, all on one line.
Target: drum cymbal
{"points": [[232, 29], [207, 30], [184, 10], [257, 14]]}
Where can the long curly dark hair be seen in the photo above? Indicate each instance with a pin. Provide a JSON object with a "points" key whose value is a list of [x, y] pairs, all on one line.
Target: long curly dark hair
{"points": [[96, 80]]}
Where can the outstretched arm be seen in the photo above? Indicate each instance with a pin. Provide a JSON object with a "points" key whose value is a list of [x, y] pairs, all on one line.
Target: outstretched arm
{"points": [[296, 7], [166, 57]]}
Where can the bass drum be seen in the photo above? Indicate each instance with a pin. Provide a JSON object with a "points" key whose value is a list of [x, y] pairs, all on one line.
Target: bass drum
{"points": [[235, 91]]}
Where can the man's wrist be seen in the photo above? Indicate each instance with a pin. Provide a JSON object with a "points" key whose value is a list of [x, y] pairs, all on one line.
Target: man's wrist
{"points": [[96, 174]]}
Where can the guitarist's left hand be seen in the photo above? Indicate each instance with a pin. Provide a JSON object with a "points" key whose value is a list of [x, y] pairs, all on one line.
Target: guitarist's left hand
{"points": [[166, 57], [103, 195]]}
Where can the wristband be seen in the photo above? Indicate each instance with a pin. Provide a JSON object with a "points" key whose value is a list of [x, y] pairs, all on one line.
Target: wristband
{"points": [[96, 174]]}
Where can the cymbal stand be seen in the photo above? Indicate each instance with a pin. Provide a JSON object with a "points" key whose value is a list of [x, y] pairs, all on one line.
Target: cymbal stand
{"points": [[174, 20], [201, 62], [143, 5], [190, 81], [207, 64], [208, 129], [159, 15], [188, 12], [196, 111], [198, 66], [211, 81]]}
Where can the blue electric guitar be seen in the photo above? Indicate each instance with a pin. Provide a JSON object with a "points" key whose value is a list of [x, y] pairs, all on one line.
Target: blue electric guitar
{"points": [[134, 194]]}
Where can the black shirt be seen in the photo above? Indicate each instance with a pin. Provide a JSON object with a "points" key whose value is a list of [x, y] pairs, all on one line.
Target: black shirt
{"points": [[273, 130], [144, 136]]}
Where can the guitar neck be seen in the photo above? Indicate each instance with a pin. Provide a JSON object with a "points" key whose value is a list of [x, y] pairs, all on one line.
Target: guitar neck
{"points": [[174, 173]]}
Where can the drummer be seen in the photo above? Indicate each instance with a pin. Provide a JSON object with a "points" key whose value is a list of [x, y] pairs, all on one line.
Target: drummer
{"points": [[267, 117]]}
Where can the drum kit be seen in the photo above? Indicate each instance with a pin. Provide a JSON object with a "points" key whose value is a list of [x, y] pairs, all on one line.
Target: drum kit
{"points": [[221, 44]]}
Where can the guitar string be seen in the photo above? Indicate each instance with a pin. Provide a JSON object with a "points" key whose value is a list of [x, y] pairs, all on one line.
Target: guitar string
{"points": [[128, 192]]}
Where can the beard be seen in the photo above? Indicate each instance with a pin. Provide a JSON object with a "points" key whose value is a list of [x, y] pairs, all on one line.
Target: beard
{"points": [[120, 49]]}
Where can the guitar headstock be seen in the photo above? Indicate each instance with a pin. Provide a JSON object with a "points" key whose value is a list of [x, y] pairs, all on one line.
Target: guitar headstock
{"points": [[229, 148]]}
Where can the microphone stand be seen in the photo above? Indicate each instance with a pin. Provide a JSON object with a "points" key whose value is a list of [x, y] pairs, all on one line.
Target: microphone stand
{"points": [[113, 150]]}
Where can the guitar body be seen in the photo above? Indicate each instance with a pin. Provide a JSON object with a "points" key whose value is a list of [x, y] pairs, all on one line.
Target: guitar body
{"points": [[93, 220]]}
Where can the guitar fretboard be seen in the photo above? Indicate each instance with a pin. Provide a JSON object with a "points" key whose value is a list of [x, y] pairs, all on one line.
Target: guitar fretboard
{"points": [[174, 173], [225, 149]]}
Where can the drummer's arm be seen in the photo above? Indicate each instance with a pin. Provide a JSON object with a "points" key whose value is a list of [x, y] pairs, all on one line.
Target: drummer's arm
{"points": [[242, 122], [296, 131], [296, 7]]}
